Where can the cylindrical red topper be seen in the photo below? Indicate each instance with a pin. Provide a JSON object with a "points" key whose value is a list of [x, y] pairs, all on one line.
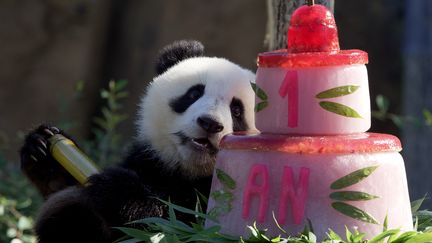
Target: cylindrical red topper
{"points": [[312, 29]]}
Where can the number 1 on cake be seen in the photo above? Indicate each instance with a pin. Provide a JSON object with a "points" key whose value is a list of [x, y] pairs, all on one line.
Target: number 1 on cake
{"points": [[289, 87]]}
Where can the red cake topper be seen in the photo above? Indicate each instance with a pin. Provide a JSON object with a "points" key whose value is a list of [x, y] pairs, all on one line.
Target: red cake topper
{"points": [[312, 29], [312, 41]]}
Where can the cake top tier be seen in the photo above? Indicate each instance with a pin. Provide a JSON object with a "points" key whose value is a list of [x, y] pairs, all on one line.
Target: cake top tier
{"points": [[312, 41]]}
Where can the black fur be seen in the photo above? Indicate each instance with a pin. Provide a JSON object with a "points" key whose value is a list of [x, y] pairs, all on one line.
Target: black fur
{"points": [[176, 52], [180, 104], [116, 196], [70, 216], [237, 114]]}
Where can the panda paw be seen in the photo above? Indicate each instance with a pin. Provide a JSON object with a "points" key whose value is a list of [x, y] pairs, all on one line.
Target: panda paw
{"points": [[36, 146], [38, 164]]}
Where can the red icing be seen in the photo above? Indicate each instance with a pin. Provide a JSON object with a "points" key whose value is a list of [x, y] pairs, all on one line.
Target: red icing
{"points": [[352, 143], [281, 58], [312, 29], [254, 189], [296, 193], [289, 87]]}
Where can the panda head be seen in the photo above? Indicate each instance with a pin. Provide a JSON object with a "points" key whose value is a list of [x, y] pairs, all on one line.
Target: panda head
{"points": [[192, 103]]}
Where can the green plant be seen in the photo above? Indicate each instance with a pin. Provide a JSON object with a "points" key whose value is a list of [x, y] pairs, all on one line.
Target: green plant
{"points": [[107, 146], [18, 204], [383, 114], [159, 230], [422, 218]]}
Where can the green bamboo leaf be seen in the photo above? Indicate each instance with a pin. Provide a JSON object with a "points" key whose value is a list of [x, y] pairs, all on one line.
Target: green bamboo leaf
{"points": [[188, 211], [225, 179], [339, 109], [357, 237], [333, 236], [351, 196], [260, 106], [403, 237], [415, 205], [425, 237], [120, 84], [129, 241], [383, 235], [259, 92], [385, 223], [382, 103], [348, 233], [338, 91], [136, 233], [353, 178], [428, 117], [277, 224], [354, 212]]}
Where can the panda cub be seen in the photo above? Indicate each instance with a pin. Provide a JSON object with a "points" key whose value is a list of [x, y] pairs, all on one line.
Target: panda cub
{"points": [[187, 109]]}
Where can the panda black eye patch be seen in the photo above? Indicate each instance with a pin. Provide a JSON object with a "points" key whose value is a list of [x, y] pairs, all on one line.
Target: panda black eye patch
{"points": [[182, 103], [237, 114]]}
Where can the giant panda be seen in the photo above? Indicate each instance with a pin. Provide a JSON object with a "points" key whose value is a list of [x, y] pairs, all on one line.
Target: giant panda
{"points": [[188, 107]]}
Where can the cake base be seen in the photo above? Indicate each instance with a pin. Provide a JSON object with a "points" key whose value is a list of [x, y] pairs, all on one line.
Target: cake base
{"points": [[333, 181]]}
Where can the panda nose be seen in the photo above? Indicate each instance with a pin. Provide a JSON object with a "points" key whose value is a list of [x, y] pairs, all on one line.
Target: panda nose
{"points": [[209, 125]]}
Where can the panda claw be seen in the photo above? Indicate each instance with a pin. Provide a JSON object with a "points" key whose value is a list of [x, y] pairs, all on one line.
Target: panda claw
{"points": [[42, 151], [41, 142], [55, 129], [34, 158], [48, 132]]}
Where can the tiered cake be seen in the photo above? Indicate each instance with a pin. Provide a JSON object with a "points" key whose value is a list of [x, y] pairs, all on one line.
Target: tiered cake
{"points": [[312, 160]]}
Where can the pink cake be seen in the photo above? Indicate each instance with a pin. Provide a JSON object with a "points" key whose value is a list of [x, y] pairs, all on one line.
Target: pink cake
{"points": [[312, 160]]}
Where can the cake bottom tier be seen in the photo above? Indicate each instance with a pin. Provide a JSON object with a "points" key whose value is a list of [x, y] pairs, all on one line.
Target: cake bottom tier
{"points": [[333, 191]]}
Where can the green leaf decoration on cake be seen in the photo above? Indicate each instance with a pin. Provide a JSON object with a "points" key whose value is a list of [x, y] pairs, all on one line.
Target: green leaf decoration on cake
{"points": [[339, 109], [354, 212], [352, 196], [225, 179], [338, 91], [260, 106], [262, 95], [219, 210], [223, 201], [353, 178], [259, 92], [222, 196], [349, 180]]}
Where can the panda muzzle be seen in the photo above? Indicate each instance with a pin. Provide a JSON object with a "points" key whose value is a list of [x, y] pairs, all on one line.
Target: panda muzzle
{"points": [[204, 144]]}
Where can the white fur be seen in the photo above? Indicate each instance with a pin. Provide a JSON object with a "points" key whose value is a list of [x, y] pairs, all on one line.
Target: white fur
{"points": [[157, 122]]}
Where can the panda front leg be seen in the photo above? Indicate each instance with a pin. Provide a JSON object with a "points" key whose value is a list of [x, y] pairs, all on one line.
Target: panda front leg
{"points": [[69, 217], [120, 195], [88, 214], [38, 164]]}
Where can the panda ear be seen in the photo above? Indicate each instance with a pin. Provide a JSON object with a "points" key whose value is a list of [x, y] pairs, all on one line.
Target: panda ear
{"points": [[176, 52]]}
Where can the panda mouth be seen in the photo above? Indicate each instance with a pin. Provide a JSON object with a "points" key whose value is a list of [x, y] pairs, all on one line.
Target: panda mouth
{"points": [[203, 144], [200, 144]]}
